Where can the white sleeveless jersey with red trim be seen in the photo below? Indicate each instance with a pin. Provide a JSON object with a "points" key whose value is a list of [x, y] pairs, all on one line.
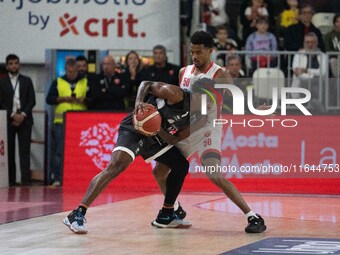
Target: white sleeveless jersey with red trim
{"points": [[188, 77], [207, 139]]}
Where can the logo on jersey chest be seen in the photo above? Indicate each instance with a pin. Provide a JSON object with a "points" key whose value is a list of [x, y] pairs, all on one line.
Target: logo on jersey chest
{"points": [[172, 129]]}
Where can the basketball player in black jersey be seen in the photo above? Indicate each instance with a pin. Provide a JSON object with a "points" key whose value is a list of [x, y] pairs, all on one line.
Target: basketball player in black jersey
{"points": [[173, 103]]}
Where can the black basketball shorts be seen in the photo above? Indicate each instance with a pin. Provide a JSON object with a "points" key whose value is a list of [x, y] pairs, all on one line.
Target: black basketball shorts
{"points": [[136, 144]]}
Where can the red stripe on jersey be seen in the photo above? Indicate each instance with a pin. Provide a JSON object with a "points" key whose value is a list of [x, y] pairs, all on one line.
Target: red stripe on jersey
{"points": [[211, 64], [216, 73]]}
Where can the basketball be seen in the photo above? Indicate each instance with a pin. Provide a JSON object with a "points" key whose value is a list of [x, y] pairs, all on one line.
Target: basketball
{"points": [[147, 120]]}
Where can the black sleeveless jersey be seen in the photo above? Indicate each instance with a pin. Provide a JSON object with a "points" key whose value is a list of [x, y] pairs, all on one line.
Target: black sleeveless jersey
{"points": [[174, 117]]}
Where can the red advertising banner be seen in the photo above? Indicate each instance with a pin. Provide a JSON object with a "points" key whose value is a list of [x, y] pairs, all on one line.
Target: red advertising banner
{"points": [[286, 154], [89, 141]]}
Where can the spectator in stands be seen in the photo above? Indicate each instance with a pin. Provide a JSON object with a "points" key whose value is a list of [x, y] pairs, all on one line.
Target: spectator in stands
{"points": [[82, 66], [255, 11], [234, 68], [332, 39], [223, 43], [289, 16], [332, 43], [162, 70], [307, 66], [250, 11], [110, 88], [69, 92], [17, 97], [262, 40], [214, 14], [135, 74], [294, 35], [82, 69]]}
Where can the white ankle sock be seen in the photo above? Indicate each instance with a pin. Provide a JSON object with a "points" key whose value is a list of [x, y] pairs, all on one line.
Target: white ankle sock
{"points": [[176, 205], [251, 213]]}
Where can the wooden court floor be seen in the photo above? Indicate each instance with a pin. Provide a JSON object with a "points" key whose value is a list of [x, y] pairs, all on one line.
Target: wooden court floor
{"points": [[120, 224]]}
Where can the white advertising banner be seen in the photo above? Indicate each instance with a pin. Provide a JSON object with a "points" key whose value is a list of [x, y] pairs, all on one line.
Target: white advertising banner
{"points": [[29, 27], [3, 150]]}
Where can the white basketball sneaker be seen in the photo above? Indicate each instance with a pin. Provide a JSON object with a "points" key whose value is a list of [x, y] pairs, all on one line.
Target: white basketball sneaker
{"points": [[75, 221]]}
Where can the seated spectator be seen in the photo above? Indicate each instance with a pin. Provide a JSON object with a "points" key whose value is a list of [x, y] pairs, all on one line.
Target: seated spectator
{"points": [[214, 14], [307, 66], [110, 88], [135, 73], [234, 69], [162, 70], [294, 35], [255, 11], [222, 42], [262, 40], [289, 16], [250, 11], [332, 43]]}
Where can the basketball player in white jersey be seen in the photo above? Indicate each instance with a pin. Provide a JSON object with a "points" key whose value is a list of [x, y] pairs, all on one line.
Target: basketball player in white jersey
{"points": [[206, 142]]}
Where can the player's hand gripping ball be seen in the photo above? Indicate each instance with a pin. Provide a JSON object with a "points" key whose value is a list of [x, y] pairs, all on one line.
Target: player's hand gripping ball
{"points": [[146, 119]]}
